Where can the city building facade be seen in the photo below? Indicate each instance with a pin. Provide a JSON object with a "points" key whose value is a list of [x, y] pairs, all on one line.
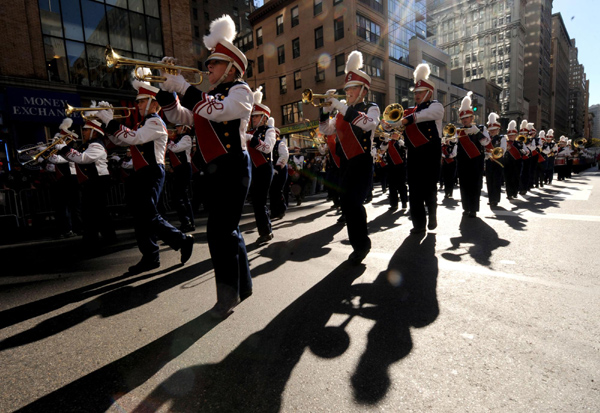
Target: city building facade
{"points": [[485, 40], [577, 94], [559, 77], [594, 112]]}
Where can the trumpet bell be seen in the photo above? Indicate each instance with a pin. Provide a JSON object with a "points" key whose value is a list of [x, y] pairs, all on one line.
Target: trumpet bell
{"points": [[450, 130], [393, 113], [521, 138], [69, 110], [308, 97], [497, 153]]}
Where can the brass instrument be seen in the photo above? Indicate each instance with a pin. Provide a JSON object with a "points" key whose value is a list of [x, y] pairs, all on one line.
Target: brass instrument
{"points": [[308, 97], [114, 60], [521, 138], [579, 142], [29, 148], [449, 139], [51, 148], [450, 130], [70, 109], [393, 113], [497, 153]]}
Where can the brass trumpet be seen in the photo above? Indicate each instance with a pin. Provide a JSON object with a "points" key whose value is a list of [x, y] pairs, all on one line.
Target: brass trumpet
{"points": [[70, 109], [521, 138], [114, 60], [496, 154], [579, 142], [393, 113], [450, 130], [308, 97]]}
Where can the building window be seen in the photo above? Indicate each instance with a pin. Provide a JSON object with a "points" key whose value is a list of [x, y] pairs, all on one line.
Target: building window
{"points": [[297, 79], [374, 67], [338, 28], [196, 31], [441, 97], [74, 40], [281, 54], [259, 39], [279, 25], [320, 76], [295, 17], [319, 37], [377, 97], [249, 71], [317, 6], [340, 64], [367, 30], [291, 113], [195, 13], [282, 85], [403, 94], [236, 12], [296, 48], [261, 64]]}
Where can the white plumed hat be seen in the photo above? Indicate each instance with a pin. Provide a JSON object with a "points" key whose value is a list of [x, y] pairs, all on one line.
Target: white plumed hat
{"points": [[259, 108], [219, 42], [465, 106], [493, 123], [355, 76]]}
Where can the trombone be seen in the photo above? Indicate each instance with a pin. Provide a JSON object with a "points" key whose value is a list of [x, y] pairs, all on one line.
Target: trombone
{"points": [[51, 149], [70, 109], [114, 61], [308, 97]]}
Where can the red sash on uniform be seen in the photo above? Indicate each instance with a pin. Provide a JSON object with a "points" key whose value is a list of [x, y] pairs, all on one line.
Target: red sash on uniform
{"points": [[515, 153], [81, 176], [412, 131], [209, 143], [258, 159], [174, 159], [137, 157], [541, 158], [445, 152], [467, 144], [350, 144], [394, 154], [331, 144]]}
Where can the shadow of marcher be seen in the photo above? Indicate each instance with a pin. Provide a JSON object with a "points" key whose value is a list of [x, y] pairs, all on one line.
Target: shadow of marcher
{"points": [[482, 238], [386, 221], [515, 221], [401, 297], [313, 245], [253, 377], [108, 304]]}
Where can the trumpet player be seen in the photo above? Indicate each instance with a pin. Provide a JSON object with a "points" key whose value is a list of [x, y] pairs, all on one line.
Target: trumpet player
{"points": [[355, 125], [260, 142], [449, 150], [422, 135], [281, 156], [220, 117], [148, 146], [513, 161], [472, 140], [91, 163], [527, 155], [549, 148], [494, 170], [395, 161], [562, 154], [180, 154]]}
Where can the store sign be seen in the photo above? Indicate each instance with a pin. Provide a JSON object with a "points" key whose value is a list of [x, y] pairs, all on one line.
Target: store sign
{"points": [[29, 105], [299, 127]]}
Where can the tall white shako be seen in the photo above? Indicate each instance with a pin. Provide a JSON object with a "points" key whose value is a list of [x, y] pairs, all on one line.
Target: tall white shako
{"points": [[523, 129], [422, 82], [493, 123], [550, 135], [531, 130], [219, 42], [542, 136], [144, 89], [465, 109], [511, 130], [355, 76], [259, 108]]}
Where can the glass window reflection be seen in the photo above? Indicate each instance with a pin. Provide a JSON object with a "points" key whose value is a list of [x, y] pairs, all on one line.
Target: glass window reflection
{"points": [[50, 17], [151, 7], [72, 20], [118, 28], [94, 22], [136, 5], [138, 33], [154, 36], [77, 63], [56, 60]]}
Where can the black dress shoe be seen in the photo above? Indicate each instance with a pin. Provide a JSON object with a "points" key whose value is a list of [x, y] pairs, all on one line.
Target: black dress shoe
{"points": [[186, 248], [265, 238], [342, 219], [143, 266], [472, 214], [393, 208], [245, 294], [357, 256], [418, 230], [187, 228]]}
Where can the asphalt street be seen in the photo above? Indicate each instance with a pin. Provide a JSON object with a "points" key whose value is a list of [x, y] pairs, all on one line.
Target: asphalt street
{"points": [[495, 313]]}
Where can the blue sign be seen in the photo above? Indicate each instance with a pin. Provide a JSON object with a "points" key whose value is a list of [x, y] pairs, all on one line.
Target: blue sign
{"points": [[34, 105]]}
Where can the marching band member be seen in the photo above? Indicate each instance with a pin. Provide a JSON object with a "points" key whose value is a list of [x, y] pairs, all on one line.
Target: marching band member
{"points": [[395, 160], [298, 178], [549, 148], [493, 168], [449, 151], [541, 160], [260, 142], [220, 118], [148, 146], [513, 161], [422, 133], [355, 125], [180, 149], [472, 140], [94, 180], [281, 156], [526, 152], [560, 163]]}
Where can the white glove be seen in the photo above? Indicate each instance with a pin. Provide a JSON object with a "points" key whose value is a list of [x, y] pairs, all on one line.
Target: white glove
{"points": [[472, 130], [275, 171], [174, 83], [271, 122], [105, 116], [330, 92]]}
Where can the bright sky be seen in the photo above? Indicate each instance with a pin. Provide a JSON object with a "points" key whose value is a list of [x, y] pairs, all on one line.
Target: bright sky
{"points": [[581, 19]]}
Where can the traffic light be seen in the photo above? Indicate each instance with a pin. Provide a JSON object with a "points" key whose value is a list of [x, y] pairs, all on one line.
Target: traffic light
{"points": [[475, 103]]}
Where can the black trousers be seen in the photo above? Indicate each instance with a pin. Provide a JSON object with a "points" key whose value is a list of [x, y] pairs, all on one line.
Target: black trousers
{"points": [[397, 181], [277, 200], [228, 180], [66, 198], [356, 179], [423, 171], [470, 177], [261, 182], [512, 175], [449, 177], [96, 219], [493, 180], [146, 185], [181, 191]]}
